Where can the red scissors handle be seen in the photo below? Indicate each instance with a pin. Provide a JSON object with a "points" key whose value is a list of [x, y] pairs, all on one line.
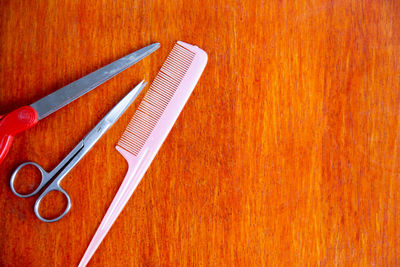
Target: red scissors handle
{"points": [[13, 123]]}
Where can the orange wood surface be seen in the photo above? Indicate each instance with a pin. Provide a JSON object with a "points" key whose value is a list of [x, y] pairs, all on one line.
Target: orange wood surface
{"points": [[287, 152]]}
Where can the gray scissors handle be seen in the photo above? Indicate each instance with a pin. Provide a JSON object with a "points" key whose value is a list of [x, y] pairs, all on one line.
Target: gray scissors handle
{"points": [[54, 186], [45, 178]]}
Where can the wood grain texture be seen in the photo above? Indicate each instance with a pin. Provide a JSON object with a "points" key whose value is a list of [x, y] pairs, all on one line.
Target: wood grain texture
{"points": [[287, 152]]}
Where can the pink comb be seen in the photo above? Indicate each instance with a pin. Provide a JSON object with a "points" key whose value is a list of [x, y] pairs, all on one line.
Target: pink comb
{"points": [[150, 126]]}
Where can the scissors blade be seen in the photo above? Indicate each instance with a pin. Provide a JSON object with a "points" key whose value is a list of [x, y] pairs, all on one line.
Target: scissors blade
{"points": [[65, 95], [94, 135], [120, 108]]}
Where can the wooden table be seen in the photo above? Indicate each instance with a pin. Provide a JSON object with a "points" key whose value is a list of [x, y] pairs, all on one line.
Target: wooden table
{"points": [[287, 152]]}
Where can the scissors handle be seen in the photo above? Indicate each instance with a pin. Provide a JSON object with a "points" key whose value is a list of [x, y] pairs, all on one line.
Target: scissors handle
{"points": [[54, 186], [45, 177], [13, 123]]}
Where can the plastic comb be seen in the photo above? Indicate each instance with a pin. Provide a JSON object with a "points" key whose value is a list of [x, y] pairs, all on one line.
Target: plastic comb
{"points": [[150, 125]]}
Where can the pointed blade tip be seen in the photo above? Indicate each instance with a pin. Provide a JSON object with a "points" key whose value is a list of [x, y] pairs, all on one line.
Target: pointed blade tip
{"points": [[138, 88], [154, 46]]}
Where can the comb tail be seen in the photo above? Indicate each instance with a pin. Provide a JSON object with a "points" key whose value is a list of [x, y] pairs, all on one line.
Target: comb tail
{"points": [[137, 166]]}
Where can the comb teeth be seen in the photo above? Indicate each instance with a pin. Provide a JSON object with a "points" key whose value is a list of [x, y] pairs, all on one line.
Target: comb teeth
{"points": [[156, 99]]}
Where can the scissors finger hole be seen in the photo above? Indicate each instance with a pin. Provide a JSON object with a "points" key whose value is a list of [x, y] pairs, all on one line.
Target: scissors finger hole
{"points": [[27, 180], [53, 205]]}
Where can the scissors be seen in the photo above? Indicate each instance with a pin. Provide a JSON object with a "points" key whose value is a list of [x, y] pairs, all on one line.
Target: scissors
{"points": [[69, 162], [25, 117]]}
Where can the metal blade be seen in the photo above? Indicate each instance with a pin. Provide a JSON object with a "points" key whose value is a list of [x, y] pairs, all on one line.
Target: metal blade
{"points": [[120, 108], [111, 117], [69, 93]]}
